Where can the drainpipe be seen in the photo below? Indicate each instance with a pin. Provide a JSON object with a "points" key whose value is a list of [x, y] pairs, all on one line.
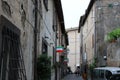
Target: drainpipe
{"points": [[56, 52], [55, 47], [35, 42], [82, 54]]}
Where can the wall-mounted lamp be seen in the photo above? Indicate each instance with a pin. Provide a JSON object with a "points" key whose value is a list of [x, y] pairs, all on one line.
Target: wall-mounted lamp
{"points": [[105, 57]]}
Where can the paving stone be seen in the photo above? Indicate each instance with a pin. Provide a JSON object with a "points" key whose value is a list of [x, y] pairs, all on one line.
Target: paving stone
{"points": [[72, 77]]}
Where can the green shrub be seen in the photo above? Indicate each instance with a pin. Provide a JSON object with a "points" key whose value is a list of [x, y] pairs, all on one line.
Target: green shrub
{"points": [[93, 64], [113, 35], [44, 67]]}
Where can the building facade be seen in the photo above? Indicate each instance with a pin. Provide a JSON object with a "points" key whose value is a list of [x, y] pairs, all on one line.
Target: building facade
{"points": [[87, 34], [74, 45], [100, 18], [17, 31], [28, 28], [107, 13]]}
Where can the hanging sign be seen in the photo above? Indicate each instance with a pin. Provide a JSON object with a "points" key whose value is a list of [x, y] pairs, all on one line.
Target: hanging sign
{"points": [[66, 59], [59, 49]]}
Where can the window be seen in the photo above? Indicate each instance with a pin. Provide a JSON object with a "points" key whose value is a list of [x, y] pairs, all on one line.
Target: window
{"points": [[53, 27], [11, 57], [93, 41], [44, 47], [46, 4], [54, 20]]}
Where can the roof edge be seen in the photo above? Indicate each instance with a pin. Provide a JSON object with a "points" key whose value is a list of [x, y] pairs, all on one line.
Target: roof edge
{"points": [[84, 17], [59, 10]]}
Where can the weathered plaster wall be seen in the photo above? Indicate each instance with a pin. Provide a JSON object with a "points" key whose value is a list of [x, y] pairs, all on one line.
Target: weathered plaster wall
{"points": [[19, 13], [88, 36]]}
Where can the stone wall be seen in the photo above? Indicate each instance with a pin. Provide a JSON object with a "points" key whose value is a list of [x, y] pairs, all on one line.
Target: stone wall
{"points": [[113, 53], [107, 19]]}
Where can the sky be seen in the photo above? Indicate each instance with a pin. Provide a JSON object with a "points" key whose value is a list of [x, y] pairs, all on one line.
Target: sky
{"points": [[72, 10]]}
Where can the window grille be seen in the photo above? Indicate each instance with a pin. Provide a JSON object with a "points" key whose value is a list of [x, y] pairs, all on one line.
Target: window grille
{"points": [[11, 58]]}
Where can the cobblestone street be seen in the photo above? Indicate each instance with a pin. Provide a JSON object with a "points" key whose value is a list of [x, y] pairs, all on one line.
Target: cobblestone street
{"points": [[72, 77]]}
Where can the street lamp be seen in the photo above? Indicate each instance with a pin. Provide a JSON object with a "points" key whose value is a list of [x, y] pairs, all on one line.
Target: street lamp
{"points": [[105, 58]]}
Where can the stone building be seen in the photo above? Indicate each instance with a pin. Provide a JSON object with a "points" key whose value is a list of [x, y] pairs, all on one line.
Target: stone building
{"points": [[100, 18], [87, 35], [17, 40], [108, 17], [29, 28]]}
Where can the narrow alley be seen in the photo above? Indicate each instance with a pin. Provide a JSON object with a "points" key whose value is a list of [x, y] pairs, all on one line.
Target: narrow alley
{"points": [[72, 77], [36, 43]]}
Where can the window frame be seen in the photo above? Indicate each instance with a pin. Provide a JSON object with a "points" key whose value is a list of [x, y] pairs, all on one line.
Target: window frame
{"points": [[44, 45], [10, 36]]}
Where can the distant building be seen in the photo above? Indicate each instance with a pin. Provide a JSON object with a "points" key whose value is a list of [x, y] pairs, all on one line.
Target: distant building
{"points": [[74, 48]]}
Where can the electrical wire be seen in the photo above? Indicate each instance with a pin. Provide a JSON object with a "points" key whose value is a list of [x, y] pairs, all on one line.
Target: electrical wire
{"points": [[32, 24]]}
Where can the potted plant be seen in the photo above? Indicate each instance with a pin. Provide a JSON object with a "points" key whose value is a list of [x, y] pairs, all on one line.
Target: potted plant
{"points": [[113, 35], [92, 66], [44, 67]]}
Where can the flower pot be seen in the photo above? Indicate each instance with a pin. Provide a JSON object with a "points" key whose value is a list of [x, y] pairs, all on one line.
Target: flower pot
{"points": [[113, 41]]}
